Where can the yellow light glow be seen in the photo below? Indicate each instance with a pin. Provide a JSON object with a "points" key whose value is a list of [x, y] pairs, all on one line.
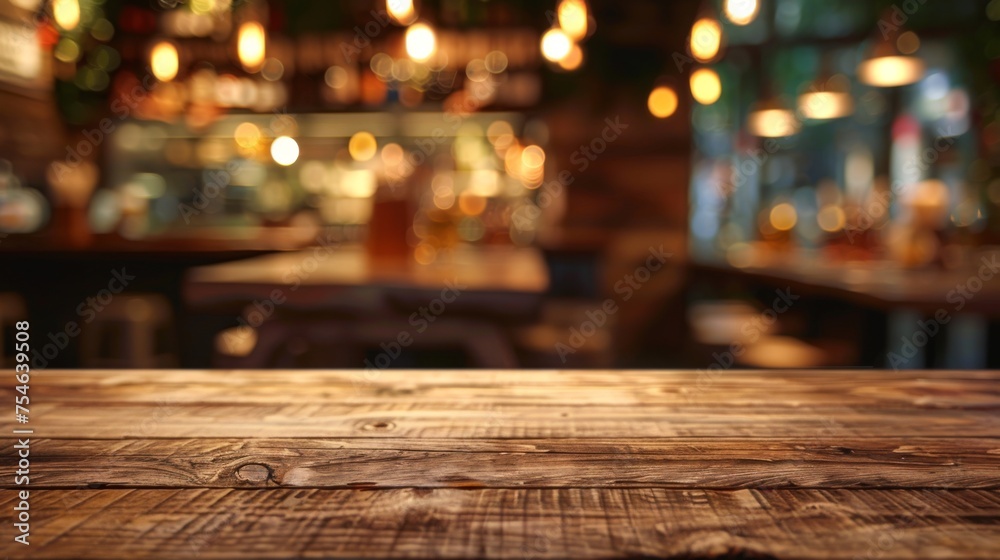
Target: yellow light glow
{"points": [[821, 105], [556, 45], [285, 150], [164, 62], [251, 46], [392, 154], [66, 13], [499, 132], [484, 182], [424, 253], [421, 43], [533, 157], [783, 217], [706, 38], [402, 11], [362, 146], [572, 16], [358, 183], [706, 88], [891, 71], [573, 60], [471, 204], [496, 62], [831, 219], [662, 102], [444, 201], [741, 12], [512, 160], [772, 123], [247, 135]]}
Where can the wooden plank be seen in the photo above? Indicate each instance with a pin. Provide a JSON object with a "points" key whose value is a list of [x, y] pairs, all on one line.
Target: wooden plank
{"points": [[462, 419], [509, 523], [675, 389], [449, 463], [898, 393], [497, 378]]}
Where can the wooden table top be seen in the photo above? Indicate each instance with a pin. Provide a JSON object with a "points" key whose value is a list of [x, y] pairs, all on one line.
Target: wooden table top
{"points": [[510, 464], [318, 276]]}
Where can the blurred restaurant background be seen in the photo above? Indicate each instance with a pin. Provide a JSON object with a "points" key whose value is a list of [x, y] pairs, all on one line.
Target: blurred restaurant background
{"points": [[501, 183]]}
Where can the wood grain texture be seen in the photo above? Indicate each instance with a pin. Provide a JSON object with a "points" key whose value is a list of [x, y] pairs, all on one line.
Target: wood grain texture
{"points": [[525, 465], [461, 419], [751, 389], [509, 523]]}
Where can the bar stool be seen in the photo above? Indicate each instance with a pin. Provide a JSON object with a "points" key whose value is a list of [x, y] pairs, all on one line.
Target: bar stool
{"points": [[132, 331], [12, 310]]}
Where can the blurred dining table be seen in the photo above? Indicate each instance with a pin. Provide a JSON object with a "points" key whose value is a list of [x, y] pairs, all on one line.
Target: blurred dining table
{"points": [[962, 299], [482, 289]]}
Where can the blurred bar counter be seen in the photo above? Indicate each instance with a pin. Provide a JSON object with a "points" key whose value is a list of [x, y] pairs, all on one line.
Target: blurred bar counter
{"points": [[224, 241], [60, 282]]}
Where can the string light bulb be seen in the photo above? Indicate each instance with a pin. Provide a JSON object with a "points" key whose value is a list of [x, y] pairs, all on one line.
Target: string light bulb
{"points": [[556, 45], [706, 39], [401, 11], [662, 102], [573, 18], [164, 61], [251, 46], [421, 42], [741, 12], [66, 13]]}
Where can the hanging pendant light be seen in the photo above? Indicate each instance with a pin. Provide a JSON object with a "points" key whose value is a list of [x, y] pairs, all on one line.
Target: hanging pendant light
{"points": [[705, 41], [827, 98], [741, 12], [772, 118], [887, 66]]}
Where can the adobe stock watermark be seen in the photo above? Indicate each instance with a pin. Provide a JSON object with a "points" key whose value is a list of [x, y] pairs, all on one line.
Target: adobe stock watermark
{"points": [[364, 35], [261, 310], [751, 331], [625, 289], [878, 205], [751, 165], [524, 217], [122, 108], [455, 115], [217, 180], [420, 320], [899, 14], [960, 296]]}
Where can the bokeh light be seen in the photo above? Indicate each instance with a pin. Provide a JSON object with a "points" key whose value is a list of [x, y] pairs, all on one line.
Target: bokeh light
{"points": [[706, 88], [706, 39], [572, 15], [251, 45], [662, 102], [421, 43], [164, 61], [362, 146], [556, 45], [783, 216], [741, 12], [285, 151]]}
